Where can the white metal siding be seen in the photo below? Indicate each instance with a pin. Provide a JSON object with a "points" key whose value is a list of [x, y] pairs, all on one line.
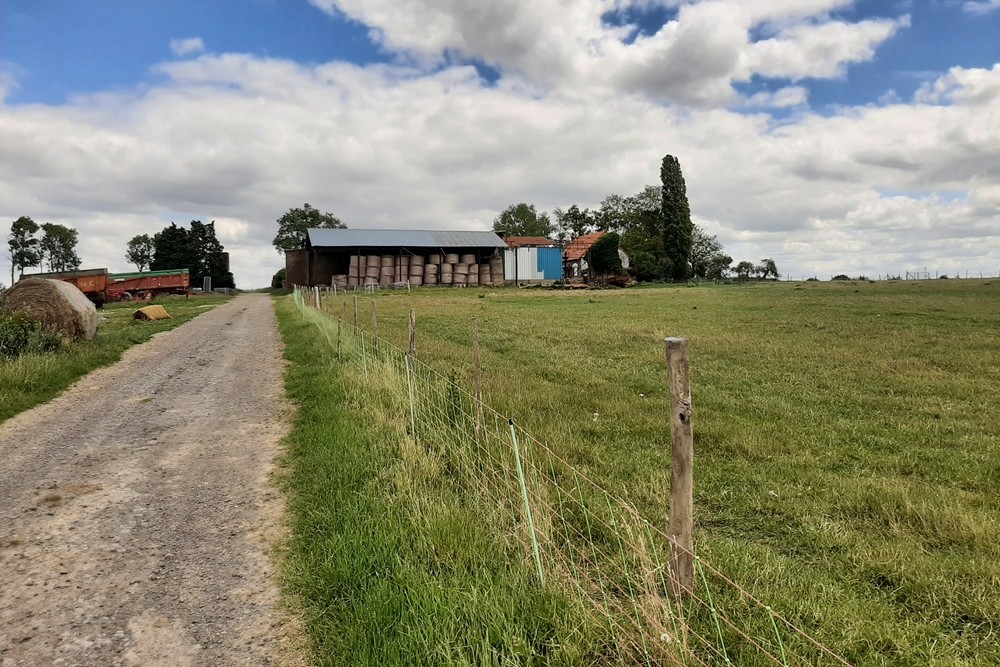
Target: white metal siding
{"points": [[525, 262]]}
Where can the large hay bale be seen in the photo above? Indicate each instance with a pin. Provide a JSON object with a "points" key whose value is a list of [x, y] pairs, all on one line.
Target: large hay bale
{"points": [[58, 305]]}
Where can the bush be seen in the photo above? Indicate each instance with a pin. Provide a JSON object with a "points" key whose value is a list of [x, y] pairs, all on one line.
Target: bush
{"points": [[19, 334], [841, 277], [278, 279]]}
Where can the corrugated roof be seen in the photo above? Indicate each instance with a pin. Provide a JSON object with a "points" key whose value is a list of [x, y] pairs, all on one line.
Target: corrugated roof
{"points": [[579, 246], [528, 241], [406, 238]]}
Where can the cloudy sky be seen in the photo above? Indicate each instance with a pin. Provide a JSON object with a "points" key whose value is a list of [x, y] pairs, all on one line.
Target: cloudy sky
{"points": [[831, 135]]}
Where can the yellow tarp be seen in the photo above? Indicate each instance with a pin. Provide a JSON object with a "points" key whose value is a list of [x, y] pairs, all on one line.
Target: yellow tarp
{"points": [[151, 313]]}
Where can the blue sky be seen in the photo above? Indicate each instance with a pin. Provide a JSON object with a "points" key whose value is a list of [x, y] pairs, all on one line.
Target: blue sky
{"points": [[823, 112]]}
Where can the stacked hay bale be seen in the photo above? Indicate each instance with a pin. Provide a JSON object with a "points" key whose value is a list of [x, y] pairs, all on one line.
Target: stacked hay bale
{"points": [[416, 269], [356, 272], [434, 269], [460, 274], [58, 305], [496, 270], [387, 275]]}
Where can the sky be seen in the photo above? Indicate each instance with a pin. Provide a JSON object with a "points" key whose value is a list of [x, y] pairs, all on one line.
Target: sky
{"points": [[834, 136]]}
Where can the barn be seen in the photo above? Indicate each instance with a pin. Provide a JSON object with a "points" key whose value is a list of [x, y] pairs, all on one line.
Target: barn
{"points": [[360, 257]]}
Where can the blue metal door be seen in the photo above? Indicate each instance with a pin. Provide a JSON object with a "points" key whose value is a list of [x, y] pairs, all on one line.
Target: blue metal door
{"points": [[550, 263]]}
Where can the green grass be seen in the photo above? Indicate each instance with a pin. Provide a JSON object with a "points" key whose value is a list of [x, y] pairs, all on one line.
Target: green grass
{"points": [[390, 565], [847, 437], [29, 380]]}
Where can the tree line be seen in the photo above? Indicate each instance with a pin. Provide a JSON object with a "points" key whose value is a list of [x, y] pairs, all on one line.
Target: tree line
{"points": [[195, 248], [53, 247], [653, 226]]}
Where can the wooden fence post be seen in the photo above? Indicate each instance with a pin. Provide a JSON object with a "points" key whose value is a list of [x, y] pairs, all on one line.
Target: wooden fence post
{"points": [[479, 377], [355, 312], [413, 334], [681, 468], [374, 322]]}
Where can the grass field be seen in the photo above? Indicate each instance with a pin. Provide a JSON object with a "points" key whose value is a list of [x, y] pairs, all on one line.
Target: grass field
{"points": [[847, 437], [31, 379]]}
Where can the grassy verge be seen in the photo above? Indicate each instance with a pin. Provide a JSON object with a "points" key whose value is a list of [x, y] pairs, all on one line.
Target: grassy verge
{"points": [[847, 436], [391, 565], [32, 379]]}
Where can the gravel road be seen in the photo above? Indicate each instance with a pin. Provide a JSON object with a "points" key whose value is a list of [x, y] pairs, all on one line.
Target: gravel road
{"points": [[138, 509]]}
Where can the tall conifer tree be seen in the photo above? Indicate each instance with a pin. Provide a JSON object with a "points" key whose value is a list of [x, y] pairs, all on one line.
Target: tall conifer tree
{"points": [[678, 231]]}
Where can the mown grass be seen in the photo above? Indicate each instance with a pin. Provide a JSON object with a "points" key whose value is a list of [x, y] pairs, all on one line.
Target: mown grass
{"points": [[392, 566], [847, 436], [31, 379]]}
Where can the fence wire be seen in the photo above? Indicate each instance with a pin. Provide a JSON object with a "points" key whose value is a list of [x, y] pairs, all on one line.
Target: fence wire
{"points": [[579, 538]]}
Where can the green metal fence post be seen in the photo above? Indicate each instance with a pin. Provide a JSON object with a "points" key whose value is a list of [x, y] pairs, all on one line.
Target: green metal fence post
{"points": [[527, 506]]}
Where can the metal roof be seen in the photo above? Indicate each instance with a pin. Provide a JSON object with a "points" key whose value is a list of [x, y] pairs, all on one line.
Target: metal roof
{"points": [[579, 246], [404, 238]]}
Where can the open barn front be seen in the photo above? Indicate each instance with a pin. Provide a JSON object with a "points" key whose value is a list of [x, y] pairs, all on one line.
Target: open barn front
{"points": [[353, 258]]}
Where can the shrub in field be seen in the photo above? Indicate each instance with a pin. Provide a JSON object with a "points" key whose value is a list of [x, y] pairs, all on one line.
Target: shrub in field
{"points": [[20, 334], [841, 276]]}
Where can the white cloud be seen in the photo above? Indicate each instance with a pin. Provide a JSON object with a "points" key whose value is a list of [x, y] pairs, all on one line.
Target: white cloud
{"points": [[239, 140], [187, 46], [789, 96], [981, 6], [693, 59], [971, 86]]}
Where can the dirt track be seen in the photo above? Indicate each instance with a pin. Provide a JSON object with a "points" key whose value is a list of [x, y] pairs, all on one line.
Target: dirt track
{"points": [[138, 510]]}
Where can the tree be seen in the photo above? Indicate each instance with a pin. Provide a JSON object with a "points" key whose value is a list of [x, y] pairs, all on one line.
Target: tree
{"points": [[23, 245], [604, 257], [58, 247], [197, 250], [704, 247], [523, 220], [172, 250], [139, 251], [278, 280], [767, 268], [573, 223], [677, 226], [744, 269], [293, 224], [212, 258], [719, 266]]}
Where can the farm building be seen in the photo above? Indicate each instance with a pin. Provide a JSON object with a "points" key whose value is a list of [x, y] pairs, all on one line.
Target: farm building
{"points": [[532, 259], [577, 255], [358, 257]]}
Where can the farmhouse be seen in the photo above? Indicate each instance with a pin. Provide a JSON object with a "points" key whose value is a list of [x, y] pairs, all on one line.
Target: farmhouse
{"points": [[577, 256], [359, 257], [532, 259]]}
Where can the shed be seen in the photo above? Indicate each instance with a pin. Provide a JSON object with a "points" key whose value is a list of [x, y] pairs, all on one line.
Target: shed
{"points": [[358, 257], [532, 259]]}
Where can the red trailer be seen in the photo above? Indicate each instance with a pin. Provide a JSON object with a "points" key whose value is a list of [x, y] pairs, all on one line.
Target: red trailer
{"points": [[132, 285]]}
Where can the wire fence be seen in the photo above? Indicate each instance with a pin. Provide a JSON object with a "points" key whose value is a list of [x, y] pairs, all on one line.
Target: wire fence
{"points": [[616, 566]]}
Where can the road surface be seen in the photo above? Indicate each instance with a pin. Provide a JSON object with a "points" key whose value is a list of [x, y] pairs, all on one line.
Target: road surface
{"points": [[138, 509]]}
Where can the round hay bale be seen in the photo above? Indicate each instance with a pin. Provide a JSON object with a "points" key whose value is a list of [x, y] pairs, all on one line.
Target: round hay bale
{"points": [[58, 305]]}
